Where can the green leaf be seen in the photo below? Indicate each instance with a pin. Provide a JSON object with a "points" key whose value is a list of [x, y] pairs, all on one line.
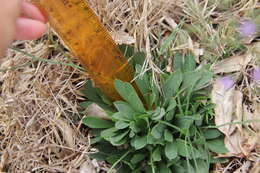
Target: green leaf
{"points": [[191, 80], [154, 141], [120, 142], [132, 134], [85, 104], [167, 42], [125, 110], [219, 160], [143, 82], [95, 95], [139, 142], [189, 63], [148, 168], [138, 170], [112, 159], [201, 166], [183, 122], [156, 155], [124, 169], [127, 161], [186, 150], [179, 169], [119, 136], [199, 141], [172, 84], [138, 58], [188, 166], [96, 140], [142, 124], [163, 168], [168, 135], [91, 93], [121, 125], [172, 104], [96, 132], [127, 92], [206, 78], [169, 116], [98, 156], [134, 57], [106, 134], [171, 150], [157, 130], [212, 134], [134, 127], [97, 123], [198, 79], [128, 51], [178, 62], [152, 98], [105, 150], [158, 113], [204, 153], [120, 117], [217, 146], [176, 161], [138, 158], [207, 108]]}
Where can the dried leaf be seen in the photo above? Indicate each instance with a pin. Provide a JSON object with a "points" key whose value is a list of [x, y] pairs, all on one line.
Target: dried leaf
{"points": [[67, 132], [256, 168], [232, 64], [249, 141], [87, 167], [96, 110], [122, 37], [233, 143], [256, 125], [197, 51], [171, 22], [224, 100], [247, 116], [244, 168], [256, 47], [239, 108], [4, 160]]}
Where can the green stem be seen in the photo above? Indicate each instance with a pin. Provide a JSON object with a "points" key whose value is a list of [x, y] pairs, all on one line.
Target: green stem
{"points": [[179, 105], [170, 125], [119, 160], [152, 165]]}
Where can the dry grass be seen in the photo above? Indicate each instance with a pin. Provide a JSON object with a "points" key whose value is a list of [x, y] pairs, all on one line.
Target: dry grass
{"points": [[39, 112]]}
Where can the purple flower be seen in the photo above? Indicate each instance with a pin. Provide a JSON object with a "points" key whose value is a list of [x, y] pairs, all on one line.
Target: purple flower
{"points": [[226, 82], [256, 74], [247, 28]]}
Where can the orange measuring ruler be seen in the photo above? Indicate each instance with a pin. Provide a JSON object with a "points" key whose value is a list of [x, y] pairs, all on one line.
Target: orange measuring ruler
{"points": [[80, 29]]}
